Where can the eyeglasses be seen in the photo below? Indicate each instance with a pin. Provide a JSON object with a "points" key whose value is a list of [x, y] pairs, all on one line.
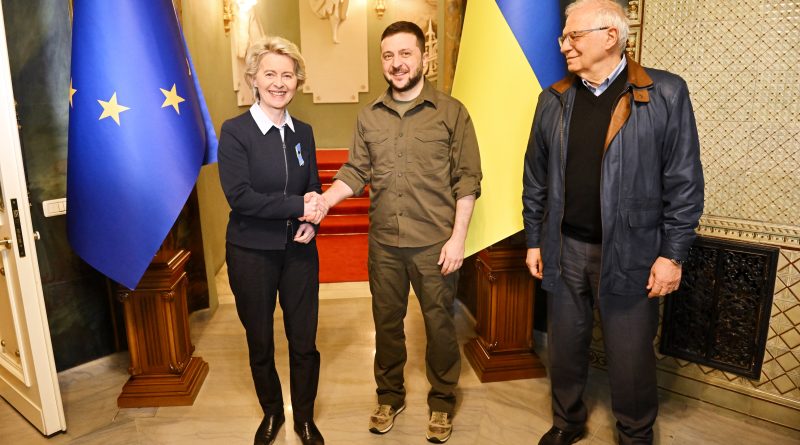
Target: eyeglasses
{"points": [[574, 35]]}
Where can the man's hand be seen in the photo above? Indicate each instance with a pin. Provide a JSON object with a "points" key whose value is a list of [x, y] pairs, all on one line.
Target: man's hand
{"points": [[534, 262], [452, 256], [305, 233], [665, 277]]}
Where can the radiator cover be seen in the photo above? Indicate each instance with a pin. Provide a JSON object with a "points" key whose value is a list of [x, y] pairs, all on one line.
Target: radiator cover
{"points": [[719, 317]]}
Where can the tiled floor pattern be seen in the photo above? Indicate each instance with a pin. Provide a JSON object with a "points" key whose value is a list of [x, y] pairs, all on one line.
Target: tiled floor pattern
{"points": [[226, 410]]}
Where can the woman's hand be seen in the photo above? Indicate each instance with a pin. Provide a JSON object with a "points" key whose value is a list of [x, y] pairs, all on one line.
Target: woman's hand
{"points": [[305, 233]]}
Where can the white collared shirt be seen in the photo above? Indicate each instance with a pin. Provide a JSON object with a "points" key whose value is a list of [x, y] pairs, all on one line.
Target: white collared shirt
{"points": [[598, 90], [265, 123]]}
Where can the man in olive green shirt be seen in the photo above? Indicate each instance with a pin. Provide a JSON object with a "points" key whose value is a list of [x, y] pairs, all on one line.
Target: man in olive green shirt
{"points": [[416, 148]]}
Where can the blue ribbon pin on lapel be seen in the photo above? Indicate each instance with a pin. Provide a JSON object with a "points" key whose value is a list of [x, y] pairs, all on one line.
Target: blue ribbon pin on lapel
{"points": [[299, 154]]}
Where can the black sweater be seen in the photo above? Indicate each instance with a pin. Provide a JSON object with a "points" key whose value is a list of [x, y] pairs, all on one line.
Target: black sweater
{"points": [[265, 188], [588, 126]]}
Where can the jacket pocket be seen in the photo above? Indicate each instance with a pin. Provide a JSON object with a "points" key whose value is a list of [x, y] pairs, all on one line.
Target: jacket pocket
{"points": [[642, 239], [644, 218]]}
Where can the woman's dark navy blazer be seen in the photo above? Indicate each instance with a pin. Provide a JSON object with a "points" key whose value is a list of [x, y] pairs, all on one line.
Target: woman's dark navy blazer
{"points": [[264, 180]]}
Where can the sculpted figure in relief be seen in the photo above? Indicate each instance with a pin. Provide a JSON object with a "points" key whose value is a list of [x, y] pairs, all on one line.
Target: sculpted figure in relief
{"points": [[333, 10], [245, 31]]}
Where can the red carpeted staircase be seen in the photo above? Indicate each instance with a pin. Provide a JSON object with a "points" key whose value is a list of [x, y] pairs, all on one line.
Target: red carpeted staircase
{"points": [[342, 236]]}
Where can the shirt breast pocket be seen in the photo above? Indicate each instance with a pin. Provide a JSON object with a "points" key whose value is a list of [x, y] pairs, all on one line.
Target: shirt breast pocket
{"points": [[431, 151], [380, 150]]}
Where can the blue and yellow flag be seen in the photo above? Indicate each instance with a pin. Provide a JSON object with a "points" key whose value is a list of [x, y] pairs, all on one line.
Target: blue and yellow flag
{"points": [[139, 131], [509, 52]]}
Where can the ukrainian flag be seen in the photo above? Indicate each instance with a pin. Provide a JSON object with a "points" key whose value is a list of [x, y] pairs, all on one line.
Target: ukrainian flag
{"points": [[139, 131], [509, 53]]}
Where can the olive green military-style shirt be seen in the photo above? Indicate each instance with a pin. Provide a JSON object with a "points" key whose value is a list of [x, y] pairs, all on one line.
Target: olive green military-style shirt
{"points": [[416, 166]]}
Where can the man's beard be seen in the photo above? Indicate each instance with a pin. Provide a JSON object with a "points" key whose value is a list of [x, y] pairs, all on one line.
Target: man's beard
{"points": [[412, 82]]}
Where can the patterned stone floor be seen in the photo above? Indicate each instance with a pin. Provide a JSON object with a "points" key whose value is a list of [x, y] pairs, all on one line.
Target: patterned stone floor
{"points": [[226, 410]]}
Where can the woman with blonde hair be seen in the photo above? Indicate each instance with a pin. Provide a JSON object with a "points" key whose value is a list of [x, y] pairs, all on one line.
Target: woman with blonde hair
{"points": [[268, 171]]}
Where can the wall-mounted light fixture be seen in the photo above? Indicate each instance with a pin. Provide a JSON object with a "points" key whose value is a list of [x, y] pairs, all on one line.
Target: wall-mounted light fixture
{"points": [[380, 7]]}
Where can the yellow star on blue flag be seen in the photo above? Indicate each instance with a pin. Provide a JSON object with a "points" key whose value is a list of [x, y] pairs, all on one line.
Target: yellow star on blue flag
{"points": [[112, 109], [72, 92], [171, 98]]}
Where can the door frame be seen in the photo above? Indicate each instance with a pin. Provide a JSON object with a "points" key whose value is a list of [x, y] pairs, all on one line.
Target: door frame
{"points": [[42, 405]]}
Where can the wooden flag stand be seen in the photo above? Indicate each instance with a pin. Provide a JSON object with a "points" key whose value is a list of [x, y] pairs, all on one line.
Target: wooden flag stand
{"points": [[163, 371], [504, 347]]}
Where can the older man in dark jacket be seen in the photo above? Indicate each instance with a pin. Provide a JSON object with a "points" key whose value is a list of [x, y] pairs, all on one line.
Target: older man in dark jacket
{"points": [[613, 190]]}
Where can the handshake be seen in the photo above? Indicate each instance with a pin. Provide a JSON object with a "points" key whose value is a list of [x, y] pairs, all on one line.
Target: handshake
{"points": [[315, 207]]}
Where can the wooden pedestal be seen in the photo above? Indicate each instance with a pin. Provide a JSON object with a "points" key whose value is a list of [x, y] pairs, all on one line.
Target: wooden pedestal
{"points": [[504, 347], [163, 371]]}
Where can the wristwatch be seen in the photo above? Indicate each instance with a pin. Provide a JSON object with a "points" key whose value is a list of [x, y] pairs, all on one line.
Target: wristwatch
{"points": [[676, 262]]}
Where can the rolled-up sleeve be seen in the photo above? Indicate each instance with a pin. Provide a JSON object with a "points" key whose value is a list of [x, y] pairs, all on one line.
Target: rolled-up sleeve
{"points": [[465, 165], [356, 171]]}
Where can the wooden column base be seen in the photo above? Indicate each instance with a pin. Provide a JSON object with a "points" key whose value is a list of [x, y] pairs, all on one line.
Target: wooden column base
{"points": [[504, 347], [166, 389], [163, 371], [502, 366]]}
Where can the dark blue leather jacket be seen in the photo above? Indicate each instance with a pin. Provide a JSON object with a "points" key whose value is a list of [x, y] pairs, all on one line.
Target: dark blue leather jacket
{"points": [[651, 182]]}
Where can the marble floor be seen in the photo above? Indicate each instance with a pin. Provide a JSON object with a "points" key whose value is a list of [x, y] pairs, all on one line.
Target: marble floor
{"points": [[226, 410]]}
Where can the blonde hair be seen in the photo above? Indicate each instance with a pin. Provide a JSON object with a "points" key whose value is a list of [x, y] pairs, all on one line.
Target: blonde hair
{"points": [[609, 13], [273, 45]]}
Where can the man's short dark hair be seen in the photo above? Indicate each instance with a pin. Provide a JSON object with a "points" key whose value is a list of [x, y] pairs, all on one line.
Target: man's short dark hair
{"points": [[407, 27]]}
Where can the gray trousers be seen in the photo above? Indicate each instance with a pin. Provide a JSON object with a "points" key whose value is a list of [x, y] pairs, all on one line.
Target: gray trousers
{"points": [[629, 324], [391, 269]]}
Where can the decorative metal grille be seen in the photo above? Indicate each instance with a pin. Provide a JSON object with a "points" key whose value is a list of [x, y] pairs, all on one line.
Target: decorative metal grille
{"points": [[720, 315]]}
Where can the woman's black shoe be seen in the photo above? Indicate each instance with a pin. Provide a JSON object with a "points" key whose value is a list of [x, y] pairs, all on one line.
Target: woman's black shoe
{"points": [[309, 434], [268, 430]]}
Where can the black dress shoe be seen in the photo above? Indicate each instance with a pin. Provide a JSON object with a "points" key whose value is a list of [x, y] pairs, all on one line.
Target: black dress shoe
{"points": [[557, 436], [309, 434], [268, 430]]}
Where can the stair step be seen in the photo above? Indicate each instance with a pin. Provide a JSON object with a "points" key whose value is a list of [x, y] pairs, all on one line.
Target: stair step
{"points": [[340, 224], [331, 159], [349, 216], [326, 176]]}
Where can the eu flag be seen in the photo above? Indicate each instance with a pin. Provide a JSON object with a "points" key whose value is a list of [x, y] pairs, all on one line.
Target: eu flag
{"points": [[138, 133], [499, 80]]}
